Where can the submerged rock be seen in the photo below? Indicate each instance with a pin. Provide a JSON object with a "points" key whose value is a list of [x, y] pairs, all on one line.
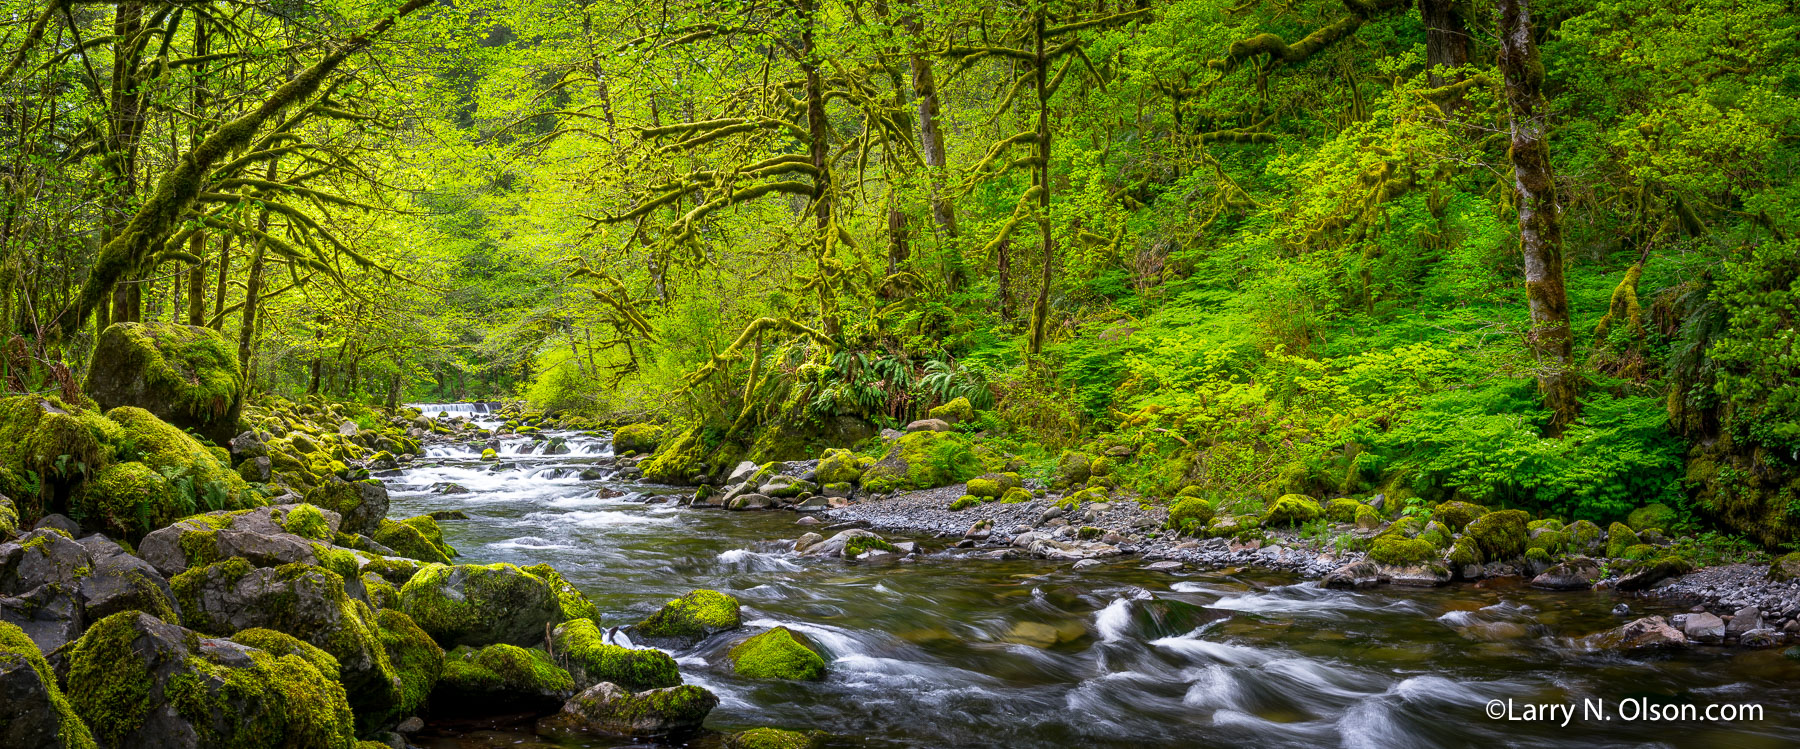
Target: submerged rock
{"points": [[671, 712]]}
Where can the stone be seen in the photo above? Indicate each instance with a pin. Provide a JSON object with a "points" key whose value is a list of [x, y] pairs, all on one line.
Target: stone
{"points": [[1650, 632], [928, 425], [501, 676], [258, 536], [1353, 576], [751, 502], [480, 604], [121, 582], [33, 710], [786, 487], [1577, 573], [1762, 637], [1168, 565], [668, 713], [361, 504], [54, 521], [143, 683], [591, 657], [700, 613], [186, 375], [1703, 627], [743, 471], [1646, 574], [776, 654], [1744, 620]]}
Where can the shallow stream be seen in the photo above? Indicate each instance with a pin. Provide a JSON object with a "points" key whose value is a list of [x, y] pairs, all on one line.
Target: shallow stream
{"points": [[944, 652]]}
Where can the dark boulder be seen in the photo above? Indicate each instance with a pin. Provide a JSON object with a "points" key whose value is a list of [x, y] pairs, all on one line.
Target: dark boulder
{"points": [[185, 375]]}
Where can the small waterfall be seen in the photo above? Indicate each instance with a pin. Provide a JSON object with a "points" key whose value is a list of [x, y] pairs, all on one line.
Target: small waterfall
{"points": [[433, 409]]}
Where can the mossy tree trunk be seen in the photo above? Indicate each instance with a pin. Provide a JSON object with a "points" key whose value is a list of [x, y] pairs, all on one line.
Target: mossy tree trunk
{"points": [[1540, 218]]}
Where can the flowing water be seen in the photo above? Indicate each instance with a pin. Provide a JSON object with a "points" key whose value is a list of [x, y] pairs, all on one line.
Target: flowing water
{"points": [[959, 653]]}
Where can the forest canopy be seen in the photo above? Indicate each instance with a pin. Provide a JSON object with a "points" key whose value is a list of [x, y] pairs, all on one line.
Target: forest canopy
{"points": [[1533, 253]]}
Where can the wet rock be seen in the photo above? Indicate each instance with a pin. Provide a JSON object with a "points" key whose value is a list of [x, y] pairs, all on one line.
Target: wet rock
{"points": [[361, 504], [480, 605], [140, 682], [1426, 575], [591, 656], [260, 536], [811, 504], [752, 502], [980, 530], [247, 446], [1578, 573], [51, 615], [743, 471], [1650, 632], [1042, 635], [1762, 637], [40, 557], [500, 677], [776, 654], [448, 487], [1353, 576], [840, 544], [1744, 620], [607, 708], [786, 487], [1164, 566], [700, 613], [1647, 574], [807, 520], [1086, 564]]}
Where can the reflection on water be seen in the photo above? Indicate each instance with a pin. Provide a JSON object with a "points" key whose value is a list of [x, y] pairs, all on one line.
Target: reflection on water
{"points": [[942, 652]]}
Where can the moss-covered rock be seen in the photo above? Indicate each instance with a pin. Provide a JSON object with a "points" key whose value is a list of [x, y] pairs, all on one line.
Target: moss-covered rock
{"points": [[964, 502], [1785, 568], [415, 538], [776, 654], [1015, 496], [700, 613], [33, 710], [362, 505], [1402, 551], [306, 521], [985, 488], [127, 500], [678, 460], [1656, 515], [1498, 536], [923, 460], [955, 412], [1190, 514], [580, 648], [281, 643], [185, 375], [839, 466], [573, 603], [1618, 539], [417, 661], [1341, 510], [501, 675], [477, 605], [138, 681], [1584, 537], [1291, 510], [396, 570], [857, 546], [638, 438], [670, 713], [1072, 469], [1457, 515]]}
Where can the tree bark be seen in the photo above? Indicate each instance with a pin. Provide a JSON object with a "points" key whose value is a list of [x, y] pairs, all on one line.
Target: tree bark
{"points": [[1540, 218], [931, 146], [1041, 178], [1446, 45], [818, 129], [196, 277]]}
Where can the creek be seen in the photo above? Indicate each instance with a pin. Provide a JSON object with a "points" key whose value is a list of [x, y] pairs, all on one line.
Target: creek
{"points": [[945, 652]]}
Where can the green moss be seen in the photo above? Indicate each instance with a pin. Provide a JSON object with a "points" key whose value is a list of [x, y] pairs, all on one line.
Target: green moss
{"points": [[1785, 567], [574, 603], [985, 488], [406, 539], [1290, 510], [640, 438], [1406, 527], [487, 591], [195, 367], [841, 466], [1539, 556], [698, 614], [174, 454], [964, 502], [1401, 551], [1546, 523], [72, 732], [418, 662], [1498, 536], [1657, 515], [581, 648], [502, 669], [1641, 551], [1190, 514], [489, 454], [856, 546], [308, 522], [1464, 552], [956, 411], [1015, 496], [1457, 515], [677, 461], [924, 460], [1341, 510], [340, 497], [395, 570], [770, 738], [340, 561], [128, 500], [1583, 535], [776, 654], [109, 685], [1619, 538], [281, 643]]}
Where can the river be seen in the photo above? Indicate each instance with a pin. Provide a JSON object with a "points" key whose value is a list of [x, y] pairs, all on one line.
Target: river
{"points": [[943, 652]]}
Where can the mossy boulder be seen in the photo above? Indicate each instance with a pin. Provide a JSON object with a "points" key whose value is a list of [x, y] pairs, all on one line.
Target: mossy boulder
{"points": [[477, 605], [964, 502], [362, 505], [33, 710], [985, 488], [1656, 516], [1016, 495], [573, 603], [260, 536], [1619, 538], [1402, 552], [281, 643], [839, 466], [582, 649], [1785, 568], [1072, 469], [1190, 514], [138, 681], [637, 438], [1341, 510], [1584, 537], [923, 460], [501, 675], [185, 375], [670, 713], [1291, 510], [1457, 515], [301, 600], [415, 538], [9, 517], [776, 654], [955, 412], [700, 613], [162, 474], [417, 661], [678, 460], [1499, 536]]}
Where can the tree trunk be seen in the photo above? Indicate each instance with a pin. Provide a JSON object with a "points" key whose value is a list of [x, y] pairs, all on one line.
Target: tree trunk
{"points": [[1041, 179], [1446, 45], [818, 129], [1540, 219], [218, 321], [196, 311], [931, 144], [253, 285]]}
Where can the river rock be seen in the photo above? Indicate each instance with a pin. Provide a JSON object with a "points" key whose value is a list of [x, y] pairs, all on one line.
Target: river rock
{"points": [[307, 602], [143, 683], [1647, 633], [928, 425], [186, 375], [51, 614], [1744, 620], [806, 541], [260, 536], [1762, 637], [741, 473], [786, 487], [669, 713], [121, 582], [700, 613], [1353, 576], [1648, 574], [1700, 626], [1426, 575], [361, 504], [501, 677], [834, 546], [776, 654], [751, 502], [479, 605], [1577, 573]]}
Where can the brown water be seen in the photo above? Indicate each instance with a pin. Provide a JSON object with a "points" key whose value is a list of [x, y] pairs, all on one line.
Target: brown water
{"points": [[951, 653]]}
